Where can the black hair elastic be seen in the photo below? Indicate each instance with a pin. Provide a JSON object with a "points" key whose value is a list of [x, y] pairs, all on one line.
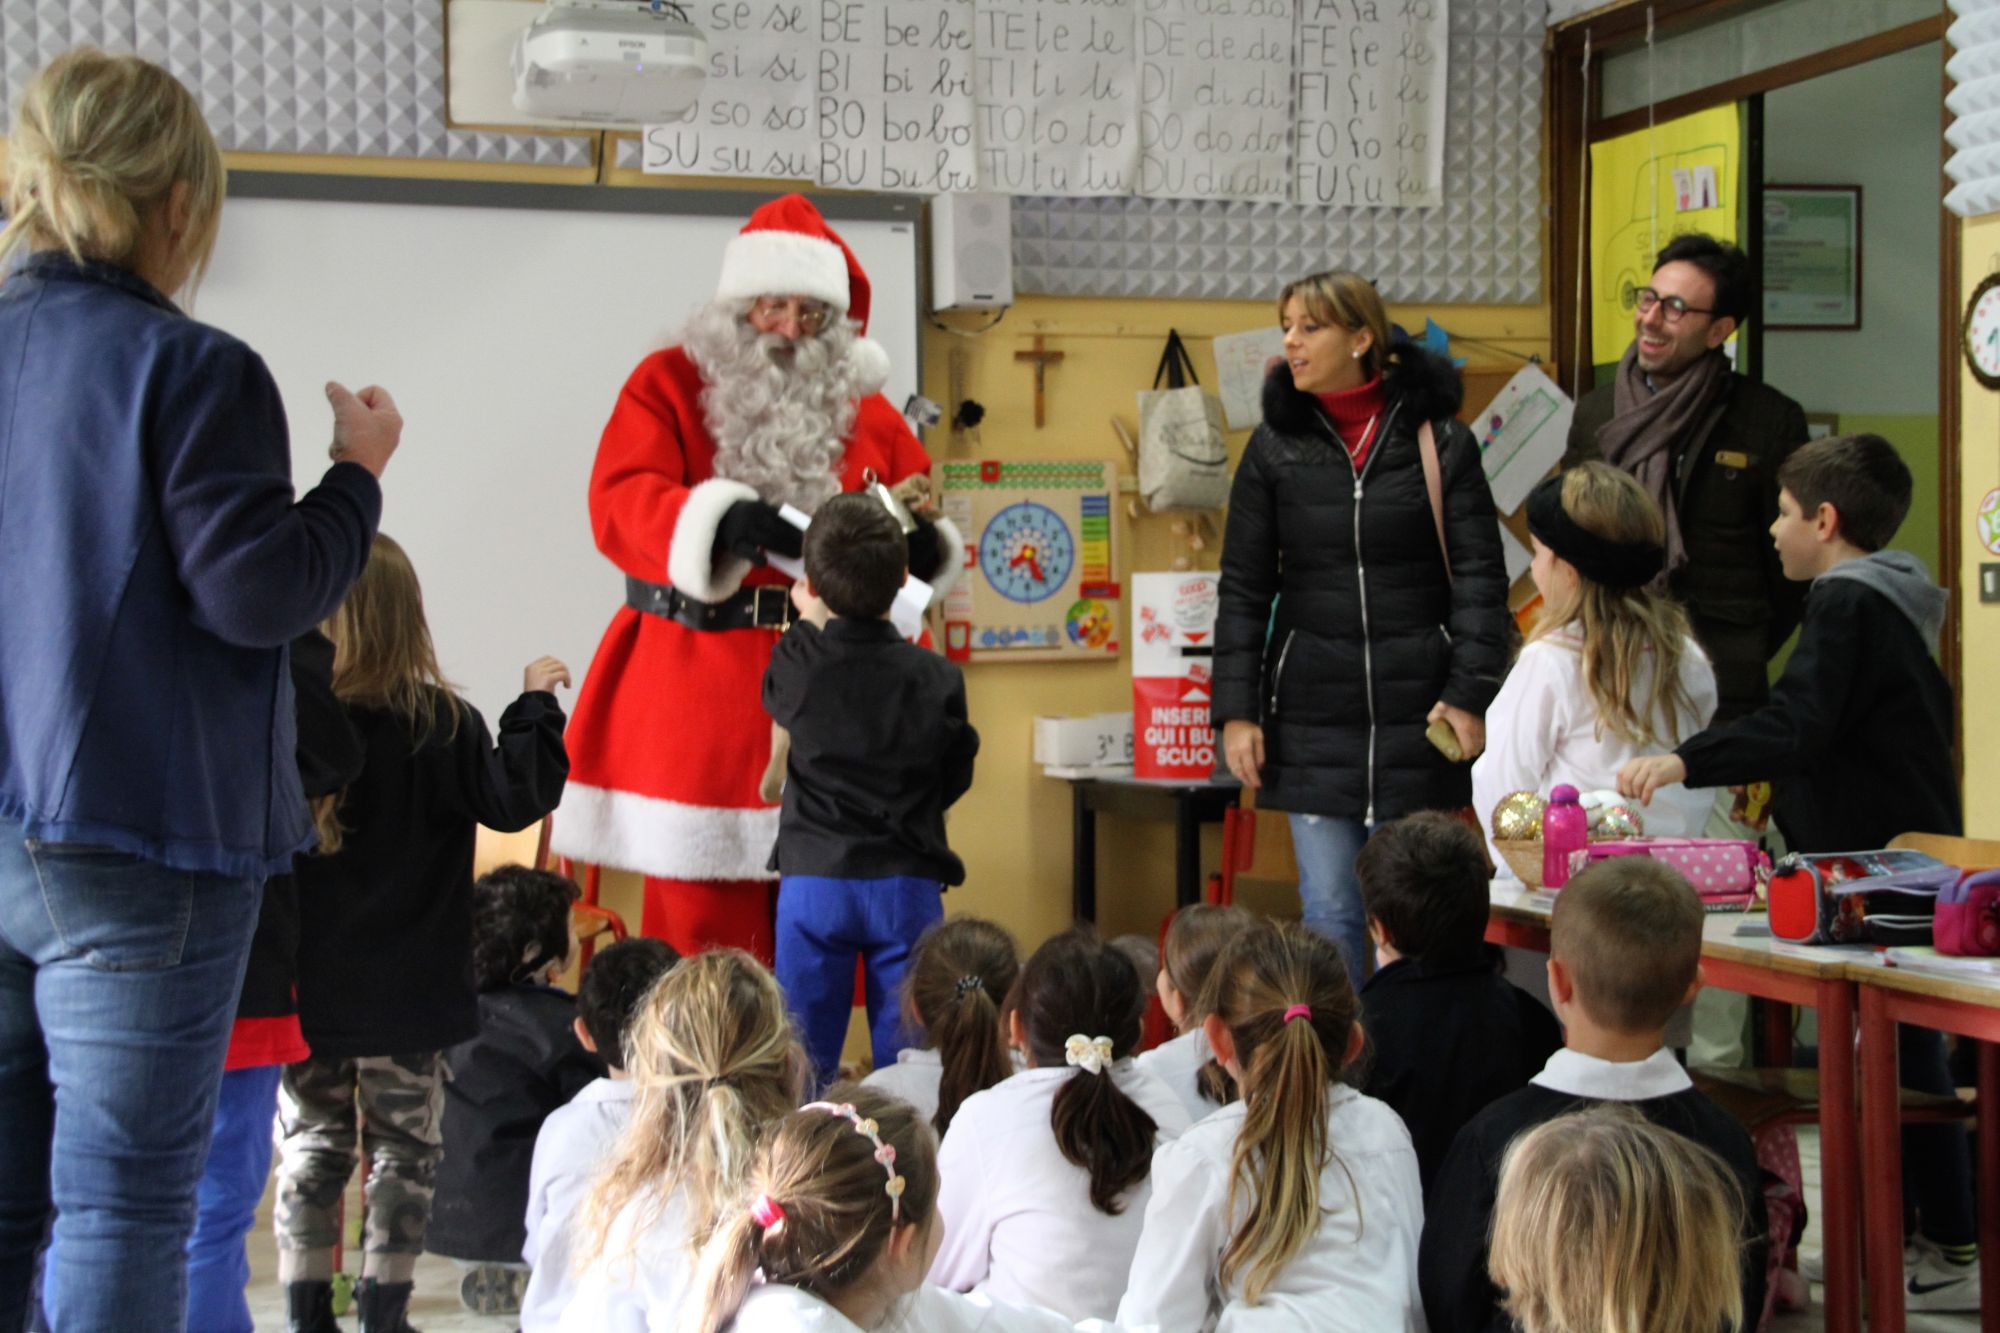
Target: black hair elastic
{"points": [[1613, 564], [969, 982]]}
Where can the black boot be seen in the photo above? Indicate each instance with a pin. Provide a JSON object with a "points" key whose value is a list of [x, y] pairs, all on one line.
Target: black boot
{"points": [[309, 1308], [384, 1306]]}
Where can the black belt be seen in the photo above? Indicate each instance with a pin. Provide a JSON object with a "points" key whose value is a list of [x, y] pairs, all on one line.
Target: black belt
{"points": [[766, 606]]}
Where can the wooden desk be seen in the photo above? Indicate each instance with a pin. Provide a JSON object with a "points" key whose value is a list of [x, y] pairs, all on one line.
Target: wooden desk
{"points": [[1969, 1007], [1753, 965], [1187, 805]]}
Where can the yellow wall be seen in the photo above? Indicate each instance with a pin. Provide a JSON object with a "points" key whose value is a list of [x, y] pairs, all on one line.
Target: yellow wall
{"points": [[1013, 828], [1978, 473]]}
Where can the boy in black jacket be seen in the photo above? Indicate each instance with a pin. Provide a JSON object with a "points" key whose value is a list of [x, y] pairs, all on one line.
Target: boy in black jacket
{"points": [[1447, 1033], [880, 746], [1624, 954], [1857, 739]]}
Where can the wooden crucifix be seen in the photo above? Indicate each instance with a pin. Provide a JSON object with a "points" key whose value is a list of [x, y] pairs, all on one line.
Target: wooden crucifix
{"points": [[1043, 360]]}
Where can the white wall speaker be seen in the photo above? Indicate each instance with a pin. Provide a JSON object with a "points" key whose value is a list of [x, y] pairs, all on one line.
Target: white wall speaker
{"points": [[972, 252]]}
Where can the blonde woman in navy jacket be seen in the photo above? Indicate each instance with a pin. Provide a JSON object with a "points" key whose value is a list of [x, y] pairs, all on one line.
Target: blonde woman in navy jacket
{"points": [[157, 565]]}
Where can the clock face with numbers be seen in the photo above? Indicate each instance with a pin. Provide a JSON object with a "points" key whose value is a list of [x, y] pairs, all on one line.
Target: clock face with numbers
{"points": [[1982, 332], [1027, 552]]}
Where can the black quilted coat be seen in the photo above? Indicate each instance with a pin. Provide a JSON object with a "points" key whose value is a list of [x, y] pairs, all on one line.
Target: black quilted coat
{"points": [[1369, 630]]}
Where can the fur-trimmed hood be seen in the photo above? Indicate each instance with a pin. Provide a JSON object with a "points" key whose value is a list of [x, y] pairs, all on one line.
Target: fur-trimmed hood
{"points": [[1416, 378]]}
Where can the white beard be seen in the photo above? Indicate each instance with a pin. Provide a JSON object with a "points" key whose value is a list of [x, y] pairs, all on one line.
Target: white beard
{"points": [[779, 423]]}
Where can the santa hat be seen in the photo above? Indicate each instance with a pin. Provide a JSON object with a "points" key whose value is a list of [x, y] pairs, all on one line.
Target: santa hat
{"points": [[786, 249]]}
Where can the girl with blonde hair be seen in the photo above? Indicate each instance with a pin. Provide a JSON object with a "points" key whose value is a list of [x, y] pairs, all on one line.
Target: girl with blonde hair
{"points": [[713, 1062], [1612, 670], [386, 938], [1298, 1206], [158, 562], [1608, 1223], [838, 1213]]}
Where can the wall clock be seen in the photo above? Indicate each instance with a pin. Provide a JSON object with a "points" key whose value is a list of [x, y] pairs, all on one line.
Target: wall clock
{"points": [[1981, 342], [1026, 551]]}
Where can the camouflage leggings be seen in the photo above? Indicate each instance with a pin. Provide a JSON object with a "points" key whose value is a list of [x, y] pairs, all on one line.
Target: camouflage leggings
{"points": [[400, 1098]]}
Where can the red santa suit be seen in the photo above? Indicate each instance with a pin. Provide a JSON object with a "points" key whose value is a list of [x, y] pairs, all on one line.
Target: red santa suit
{"points": [[669, 739]]}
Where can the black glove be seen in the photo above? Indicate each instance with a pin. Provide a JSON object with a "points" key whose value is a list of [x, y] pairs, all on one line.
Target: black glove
{"points": [[750, 527], [927, 553]]}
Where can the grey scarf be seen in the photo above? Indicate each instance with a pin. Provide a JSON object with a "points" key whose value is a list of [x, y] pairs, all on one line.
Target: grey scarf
{"points": [[1645, 426]]}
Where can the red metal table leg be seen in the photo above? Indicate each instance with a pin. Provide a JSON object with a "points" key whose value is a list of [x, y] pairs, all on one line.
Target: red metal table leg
{"points": [[1989, 1186], [1777, 1033], [1882, 1149], [1840, 1163]]}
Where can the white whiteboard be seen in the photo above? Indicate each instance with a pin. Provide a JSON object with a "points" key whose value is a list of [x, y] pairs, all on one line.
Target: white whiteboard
{"points": [[505, 333]]}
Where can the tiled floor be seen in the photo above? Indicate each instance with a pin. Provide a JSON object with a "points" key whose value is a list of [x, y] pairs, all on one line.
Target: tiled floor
{"points": [[436, 1308]]}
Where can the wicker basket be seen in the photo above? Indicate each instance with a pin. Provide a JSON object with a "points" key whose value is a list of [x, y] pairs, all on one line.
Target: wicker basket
{"points": [[1524, 858]]}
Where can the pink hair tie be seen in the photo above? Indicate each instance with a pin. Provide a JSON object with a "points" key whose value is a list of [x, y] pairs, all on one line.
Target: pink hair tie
{"points": [[1299, 1011], [765, 1212]]}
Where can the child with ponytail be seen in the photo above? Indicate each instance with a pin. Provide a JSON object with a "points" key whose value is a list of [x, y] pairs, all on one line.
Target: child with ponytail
{"points": [[959, 973], [712, 1060], [1045, 1174], [839, 1216], [1194, 941], [1302, 1199], [1611, 670]]}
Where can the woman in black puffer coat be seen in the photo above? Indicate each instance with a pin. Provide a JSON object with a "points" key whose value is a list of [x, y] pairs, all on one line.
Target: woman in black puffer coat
{"points": [[1324, 706]]}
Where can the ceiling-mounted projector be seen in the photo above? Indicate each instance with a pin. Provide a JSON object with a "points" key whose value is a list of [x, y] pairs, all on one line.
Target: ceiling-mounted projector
{"points": [[610, 62]]}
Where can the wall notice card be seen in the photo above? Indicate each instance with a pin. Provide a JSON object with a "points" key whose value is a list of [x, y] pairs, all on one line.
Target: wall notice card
{"points": [[1058, 104], [755, 114], [1522, 434], [1371, 95], [1173, 645], [892, 93], [1215, 100], [1241, 360]]}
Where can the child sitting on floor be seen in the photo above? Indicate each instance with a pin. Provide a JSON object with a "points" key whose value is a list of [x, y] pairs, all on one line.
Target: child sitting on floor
{"points": [[960, 972], [1195, 939], [575, 1139]]}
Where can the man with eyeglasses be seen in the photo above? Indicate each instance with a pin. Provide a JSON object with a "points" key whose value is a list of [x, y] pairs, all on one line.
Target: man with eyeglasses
{"points": [[771, 398], [1707, 442]]}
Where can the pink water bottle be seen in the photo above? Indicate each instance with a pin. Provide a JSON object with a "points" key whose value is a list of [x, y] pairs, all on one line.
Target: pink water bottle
{"points": [[1565, 829]]}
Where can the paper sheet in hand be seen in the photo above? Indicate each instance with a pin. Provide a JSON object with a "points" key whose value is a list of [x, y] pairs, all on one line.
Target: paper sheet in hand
{"points": [[1240, 359], [1522, 435]]}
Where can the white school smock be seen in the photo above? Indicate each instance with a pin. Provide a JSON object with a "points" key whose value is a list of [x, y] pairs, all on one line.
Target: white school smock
{"points": [[777, 1308], [1019, 1224], [1541, 730], [1358, 1273], [572, 1143], [1176, 1063], [913, 1078], [634, 1288]]}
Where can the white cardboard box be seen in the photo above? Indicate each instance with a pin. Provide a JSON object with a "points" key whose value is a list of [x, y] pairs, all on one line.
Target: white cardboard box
{"points": [[1098, 741]]}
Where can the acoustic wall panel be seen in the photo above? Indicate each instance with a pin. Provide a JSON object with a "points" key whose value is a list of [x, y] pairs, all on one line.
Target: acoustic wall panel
{"points": [[358, 78]]}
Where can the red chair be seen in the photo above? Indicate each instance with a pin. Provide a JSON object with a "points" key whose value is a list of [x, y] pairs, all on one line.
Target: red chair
{"points": [[593, 921]]}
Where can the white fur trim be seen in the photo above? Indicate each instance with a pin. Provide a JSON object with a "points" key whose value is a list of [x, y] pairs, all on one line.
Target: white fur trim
{"points": [[693, 564], [782, 263], [870, 361], [665, 839], [953, 542]]}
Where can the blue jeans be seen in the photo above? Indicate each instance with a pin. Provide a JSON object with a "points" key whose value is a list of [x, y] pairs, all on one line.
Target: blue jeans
{"points": [[118, 984], [239, 1162], [823, 925], [1329, 895]]}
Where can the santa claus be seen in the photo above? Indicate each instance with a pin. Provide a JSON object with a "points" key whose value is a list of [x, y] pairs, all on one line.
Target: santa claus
{"points": [[771, 398]]}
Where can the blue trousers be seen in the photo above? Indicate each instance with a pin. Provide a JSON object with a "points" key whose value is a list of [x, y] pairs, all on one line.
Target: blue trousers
{"points": [[239, 1163], [1329, 894], [118, 984], [823, 926]]}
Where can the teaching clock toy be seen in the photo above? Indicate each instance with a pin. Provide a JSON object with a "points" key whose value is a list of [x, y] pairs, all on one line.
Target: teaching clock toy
{"points": [[1040, 580], [1982, 332], [1026, 552]]}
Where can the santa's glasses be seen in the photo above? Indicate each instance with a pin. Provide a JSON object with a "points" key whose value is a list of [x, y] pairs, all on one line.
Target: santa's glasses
{"points": [[812, 316]]}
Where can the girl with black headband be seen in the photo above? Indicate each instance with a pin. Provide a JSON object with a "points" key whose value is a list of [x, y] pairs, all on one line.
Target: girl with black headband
{"points": [[1611, 670]]}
